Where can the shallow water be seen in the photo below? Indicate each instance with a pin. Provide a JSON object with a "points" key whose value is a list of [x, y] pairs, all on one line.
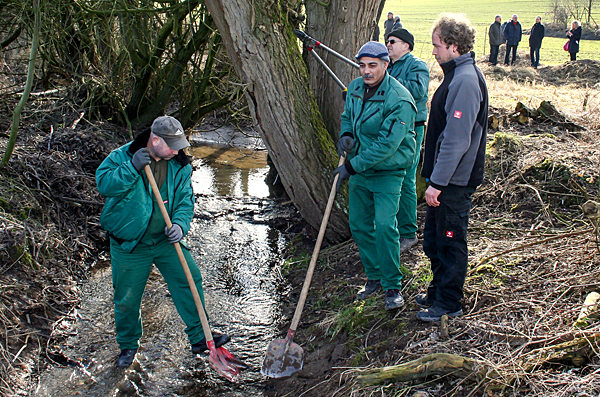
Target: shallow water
{"points": [[239, 255]]}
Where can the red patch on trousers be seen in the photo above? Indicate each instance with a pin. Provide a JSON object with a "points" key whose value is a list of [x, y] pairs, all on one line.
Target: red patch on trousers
{"points": [[450, 234], [457, 114]]}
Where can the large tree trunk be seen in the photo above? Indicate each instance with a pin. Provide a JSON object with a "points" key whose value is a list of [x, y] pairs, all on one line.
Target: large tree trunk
{"points": [[344, 26], [266, 56]]}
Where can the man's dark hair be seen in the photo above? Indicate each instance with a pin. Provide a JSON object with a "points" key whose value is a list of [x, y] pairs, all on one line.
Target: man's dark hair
{"points": [[456, 29]]}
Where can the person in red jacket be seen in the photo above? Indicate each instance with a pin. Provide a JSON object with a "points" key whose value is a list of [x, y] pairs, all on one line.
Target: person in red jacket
{"points": [[512, 33]]}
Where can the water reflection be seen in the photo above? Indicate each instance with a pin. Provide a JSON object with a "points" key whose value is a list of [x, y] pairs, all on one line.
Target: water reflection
{"points": [[239, 255], [230, 172]]}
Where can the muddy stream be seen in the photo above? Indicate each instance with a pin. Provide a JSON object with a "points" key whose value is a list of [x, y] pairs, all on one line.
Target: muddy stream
{"points": [[239, 255]]}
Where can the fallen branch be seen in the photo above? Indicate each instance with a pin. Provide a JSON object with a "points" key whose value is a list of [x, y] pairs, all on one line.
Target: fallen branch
{"points": [[433, 364], [573, 353]]}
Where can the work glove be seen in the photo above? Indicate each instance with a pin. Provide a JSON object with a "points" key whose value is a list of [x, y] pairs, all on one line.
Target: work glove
{"points": [[140, 159], [343, 173], [345, 145], [174, 234]]}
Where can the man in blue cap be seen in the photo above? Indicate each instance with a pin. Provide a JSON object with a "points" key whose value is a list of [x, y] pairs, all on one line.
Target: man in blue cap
{"points": [[377, 133]]}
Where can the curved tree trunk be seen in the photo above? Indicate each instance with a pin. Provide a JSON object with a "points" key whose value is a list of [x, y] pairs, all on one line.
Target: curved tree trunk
{"points": [[344, 26], [266, 56]]}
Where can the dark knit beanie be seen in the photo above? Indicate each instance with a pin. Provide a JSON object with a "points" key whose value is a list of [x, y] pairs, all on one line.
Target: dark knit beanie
{"points": [[405, 36], [373, 49]]}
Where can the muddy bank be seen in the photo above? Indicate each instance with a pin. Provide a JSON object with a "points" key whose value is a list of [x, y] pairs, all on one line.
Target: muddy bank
{"points": [[533, 259]]}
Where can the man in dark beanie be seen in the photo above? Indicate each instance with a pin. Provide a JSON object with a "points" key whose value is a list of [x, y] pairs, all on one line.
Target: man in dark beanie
{"points": [[379, 115], [413, 74]]}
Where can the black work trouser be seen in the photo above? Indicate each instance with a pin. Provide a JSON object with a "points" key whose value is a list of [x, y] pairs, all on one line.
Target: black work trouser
{"points": [[534, 55], [445, 243], [509, 49], [494, 49]]}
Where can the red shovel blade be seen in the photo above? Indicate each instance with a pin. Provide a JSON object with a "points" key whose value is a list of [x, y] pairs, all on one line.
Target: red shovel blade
{"points": [[225, 363]]}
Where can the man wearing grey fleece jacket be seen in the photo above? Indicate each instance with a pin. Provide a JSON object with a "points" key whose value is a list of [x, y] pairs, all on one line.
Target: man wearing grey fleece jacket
{"points": [[453, 164]]}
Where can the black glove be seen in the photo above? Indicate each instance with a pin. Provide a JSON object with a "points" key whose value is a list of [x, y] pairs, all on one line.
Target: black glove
{"points": [[343, 173], [345, 145], [174, 234], [140, 159]]}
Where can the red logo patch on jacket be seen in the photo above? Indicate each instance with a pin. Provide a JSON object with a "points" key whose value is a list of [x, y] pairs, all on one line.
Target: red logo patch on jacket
{"points": [[450, 234], [457, 114]]}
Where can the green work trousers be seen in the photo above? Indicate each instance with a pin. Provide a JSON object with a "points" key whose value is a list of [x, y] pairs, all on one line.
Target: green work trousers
{"points": [[407, 211], [130, 272], [373, 207]]}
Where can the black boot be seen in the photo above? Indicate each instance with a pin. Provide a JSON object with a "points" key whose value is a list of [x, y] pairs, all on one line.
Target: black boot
{"points": [[126, 357], [219, 339]]}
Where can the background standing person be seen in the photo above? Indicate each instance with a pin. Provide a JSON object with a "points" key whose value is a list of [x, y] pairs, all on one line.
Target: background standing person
{"points": [[139, 236], [388, 25], [535, 41], [496, 39], [453, 164], [397, 23], [376, 31], [413, 74], [512, 34], [574, 36], [379, 115]]}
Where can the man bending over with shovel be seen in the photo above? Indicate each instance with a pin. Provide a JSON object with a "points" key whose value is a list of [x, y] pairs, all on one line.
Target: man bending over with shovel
{"points": [[378, 134], [138, 233]]}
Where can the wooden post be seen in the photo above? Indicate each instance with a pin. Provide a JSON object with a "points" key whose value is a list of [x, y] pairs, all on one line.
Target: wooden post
{"points": [[485, 41]]}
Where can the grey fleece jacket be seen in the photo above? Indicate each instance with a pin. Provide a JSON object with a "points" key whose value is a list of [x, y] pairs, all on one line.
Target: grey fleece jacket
{"points": [[457, 128]]}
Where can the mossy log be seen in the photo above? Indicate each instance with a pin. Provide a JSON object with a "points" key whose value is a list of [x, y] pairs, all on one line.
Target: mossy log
{"points": [[546, 112], [432, 364], [494, 121], [525, 111], [576, 353], [549, 112]]}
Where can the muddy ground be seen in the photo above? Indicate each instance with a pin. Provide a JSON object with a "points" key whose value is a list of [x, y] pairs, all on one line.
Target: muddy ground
{"points": [[534, 258]]}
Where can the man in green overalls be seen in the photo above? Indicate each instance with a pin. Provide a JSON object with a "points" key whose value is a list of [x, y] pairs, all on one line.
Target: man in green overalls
{"points": [[139, 236], [377, 132], [413, 74]]}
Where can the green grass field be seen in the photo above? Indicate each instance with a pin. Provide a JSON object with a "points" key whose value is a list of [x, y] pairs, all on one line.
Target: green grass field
{"points": [[418, 17]]}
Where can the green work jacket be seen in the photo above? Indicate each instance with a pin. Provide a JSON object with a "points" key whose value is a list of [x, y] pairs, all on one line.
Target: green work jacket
{"points": [[413, 73], [382, 127], [129, 196]]}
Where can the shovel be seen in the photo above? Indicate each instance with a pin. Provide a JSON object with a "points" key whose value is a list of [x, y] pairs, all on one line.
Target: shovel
{"points": [[284, 357], [225, 363]]}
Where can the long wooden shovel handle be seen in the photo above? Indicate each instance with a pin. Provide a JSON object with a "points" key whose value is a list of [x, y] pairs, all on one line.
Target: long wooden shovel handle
{"points": [[186, 269], [315, 255]]}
